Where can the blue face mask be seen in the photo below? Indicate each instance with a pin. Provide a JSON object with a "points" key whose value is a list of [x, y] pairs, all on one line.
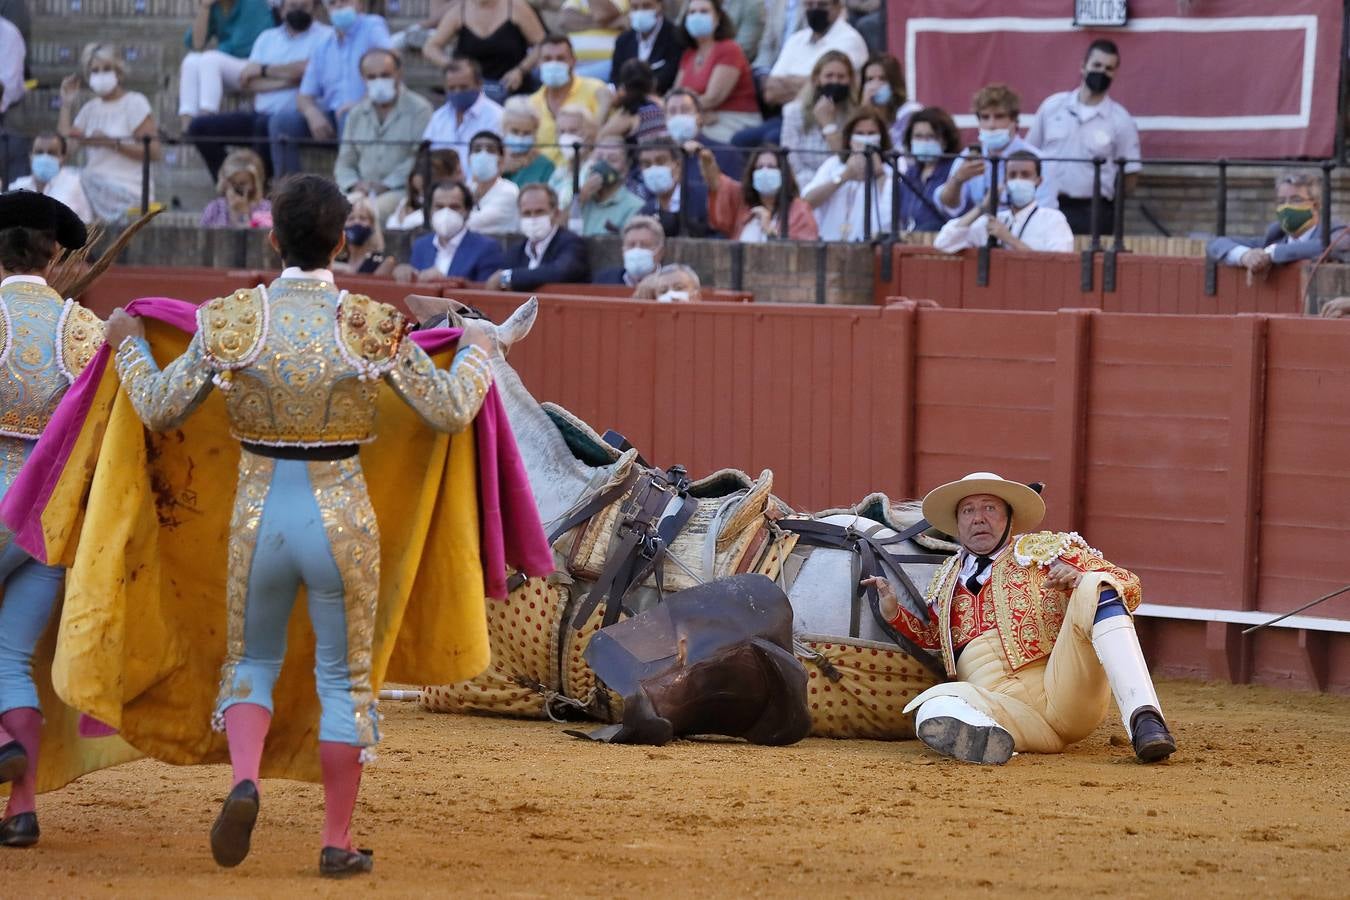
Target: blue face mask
{"points": [[882, 95], [343, 18], [994, 139], [462, 100], [45, 166], [925, 149], [483, 165], [700, 24], [682, 128], [642, 20], [1021, 191], [638, 262], [518, 143], [554, 73], [767, 181], [659, 180]]}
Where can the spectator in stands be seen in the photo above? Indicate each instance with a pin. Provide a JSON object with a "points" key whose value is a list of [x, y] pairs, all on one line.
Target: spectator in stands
{"points": [[382, 134], [714, 68], [415, 36], [837, 191], [594, 27], [996, 108], [15, 52], [548, 254], [502, 36], [1085, 123], [205, 74], [813, 123], [883, 86], [576, 127], [364, 252], [242, 200], [272, 75], [1020, 225], [653, 40], [332, 84], [747, 21], [826, 29], [636, 106], [932, 141], [466, 111], [563, 87], [1296, 233], [494, 209], [524, 163], [644, 243], [112, 127], [606, 201], [409, 214], [673, 283], [52, 177], [684, 124], [662, 170], [781, 19], [750, 212], [451, 252], [865, 16]]}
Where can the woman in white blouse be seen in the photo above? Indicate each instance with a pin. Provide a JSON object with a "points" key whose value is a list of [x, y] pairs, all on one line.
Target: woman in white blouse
{"points": [[813, 124], [838, 192]]}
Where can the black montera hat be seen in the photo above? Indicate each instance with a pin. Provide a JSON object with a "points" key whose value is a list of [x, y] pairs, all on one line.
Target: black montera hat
{"points": [[29, 209]]}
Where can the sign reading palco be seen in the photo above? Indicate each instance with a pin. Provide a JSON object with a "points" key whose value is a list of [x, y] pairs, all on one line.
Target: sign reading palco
{"points": [[1099, 12]]}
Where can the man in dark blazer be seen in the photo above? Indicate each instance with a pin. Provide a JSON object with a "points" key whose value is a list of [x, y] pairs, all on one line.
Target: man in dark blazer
{"points": [[660, 40], [680, 204], [451, 251], [1296, 235], [549, 253]]}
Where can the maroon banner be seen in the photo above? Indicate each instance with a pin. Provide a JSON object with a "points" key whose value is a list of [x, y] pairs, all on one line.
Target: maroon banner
{"points": [[1259, 80]]}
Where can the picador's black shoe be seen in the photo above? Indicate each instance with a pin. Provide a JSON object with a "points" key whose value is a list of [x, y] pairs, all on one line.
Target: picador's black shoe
{"points": [[13, 762], [233, 829], [334, 862], [19, 831], [1152, 741]]}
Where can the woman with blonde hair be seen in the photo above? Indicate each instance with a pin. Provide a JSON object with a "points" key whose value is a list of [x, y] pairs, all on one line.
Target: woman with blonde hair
{"points": [[813, 124], [242, 202], [364, 254], [576, 126], [113, 127]]}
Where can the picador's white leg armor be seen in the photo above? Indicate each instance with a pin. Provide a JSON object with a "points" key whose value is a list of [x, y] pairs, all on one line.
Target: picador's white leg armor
{"points": [[1117, 647]]}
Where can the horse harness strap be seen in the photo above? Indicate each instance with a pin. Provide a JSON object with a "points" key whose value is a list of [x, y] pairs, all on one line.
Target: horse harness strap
{"points": [[589, 506]]}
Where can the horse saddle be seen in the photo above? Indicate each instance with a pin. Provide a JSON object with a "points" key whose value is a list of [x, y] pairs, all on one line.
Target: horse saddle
{"points": [[712, 659]]}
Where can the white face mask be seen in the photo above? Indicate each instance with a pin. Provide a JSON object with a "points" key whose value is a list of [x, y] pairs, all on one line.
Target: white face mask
{"points": [[103, 83], [382, 90], [673, 297], [447, 222], [536, 228], [861, 142], [567, 142]]}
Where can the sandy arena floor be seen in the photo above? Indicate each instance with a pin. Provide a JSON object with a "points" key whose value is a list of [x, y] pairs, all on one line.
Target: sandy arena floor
{"points": [[1256, 803]]}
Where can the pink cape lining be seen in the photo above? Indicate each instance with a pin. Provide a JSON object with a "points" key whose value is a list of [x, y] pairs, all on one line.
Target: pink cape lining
{"points": [[509, 529]]}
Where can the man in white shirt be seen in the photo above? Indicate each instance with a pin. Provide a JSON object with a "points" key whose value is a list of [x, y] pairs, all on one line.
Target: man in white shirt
{"points": [[494, 209], [1085, 123], [12, 54], [466, 111], [1024, 225], [51, 177], [826, 28]]}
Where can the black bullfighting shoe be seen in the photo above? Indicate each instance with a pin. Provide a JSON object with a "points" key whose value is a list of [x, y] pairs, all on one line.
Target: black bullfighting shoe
{"points": [[19, 831], [335, 862], [233, 829], [13, 762], [956, 729], [1152, 741]]}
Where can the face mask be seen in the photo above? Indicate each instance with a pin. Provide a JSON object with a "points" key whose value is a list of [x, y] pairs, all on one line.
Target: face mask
{"points": [[518, 143], [818, 20], [1294, 217], [882, 95], [536, 228], [567, 144], [382, 90], [299, 20], [447, 222], [699, 25], [1021, 191], [1097, 82], [462, 100], [673, 297], [861, 142], [994, 138], [925, 149], [767, 181], [836, 91], [638, 261], [45, 166], [344, 18], [554, 73], [357, 235], [483, 165], [642, 20], [103, 83], [659, 180], [682, 128]]}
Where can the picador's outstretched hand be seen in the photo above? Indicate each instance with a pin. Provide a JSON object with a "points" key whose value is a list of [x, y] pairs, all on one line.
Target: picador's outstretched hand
{"points": [[890, 606]]}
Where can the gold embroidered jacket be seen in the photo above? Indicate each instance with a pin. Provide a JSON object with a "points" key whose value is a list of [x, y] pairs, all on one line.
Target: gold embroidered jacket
{"points": [[299, 364], [1027, 612]]}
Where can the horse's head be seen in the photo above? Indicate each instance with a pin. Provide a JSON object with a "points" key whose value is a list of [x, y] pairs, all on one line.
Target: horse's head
{"points": [[434, 311]]}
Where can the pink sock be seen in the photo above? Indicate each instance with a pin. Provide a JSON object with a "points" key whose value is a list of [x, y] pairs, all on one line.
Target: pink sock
{"points": [[341, 781], [246, 727], [25, 724]]}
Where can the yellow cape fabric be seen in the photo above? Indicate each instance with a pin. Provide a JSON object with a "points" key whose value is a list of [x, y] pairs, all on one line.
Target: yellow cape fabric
{"points": [[143, 631]]}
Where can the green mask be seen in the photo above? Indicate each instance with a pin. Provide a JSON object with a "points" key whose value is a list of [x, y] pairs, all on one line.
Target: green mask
{"points": [[1294, 218]]}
